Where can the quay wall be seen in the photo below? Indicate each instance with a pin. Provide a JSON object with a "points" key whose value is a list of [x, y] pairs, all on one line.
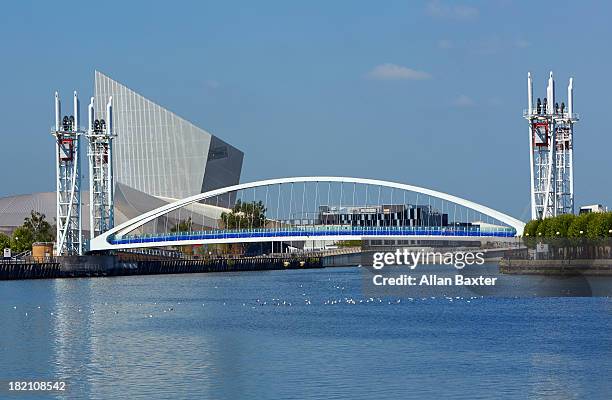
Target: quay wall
{"points": [[556, 267], [90, 266]]}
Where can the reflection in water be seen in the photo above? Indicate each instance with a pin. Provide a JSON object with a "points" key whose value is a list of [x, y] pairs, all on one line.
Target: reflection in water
{"points": [[73, 333], [544, 381], [298, 334]]}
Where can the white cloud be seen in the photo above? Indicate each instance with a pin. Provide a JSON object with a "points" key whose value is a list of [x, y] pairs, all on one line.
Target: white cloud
{"points": [[396, 72], [438, 9], [463, 101]]}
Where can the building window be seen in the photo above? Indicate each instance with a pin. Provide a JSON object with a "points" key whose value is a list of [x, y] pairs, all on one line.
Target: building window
{"points": [[217, 153]]}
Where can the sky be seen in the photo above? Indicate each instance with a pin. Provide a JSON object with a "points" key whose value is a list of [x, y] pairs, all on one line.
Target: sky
{"points": [[429, 93]]}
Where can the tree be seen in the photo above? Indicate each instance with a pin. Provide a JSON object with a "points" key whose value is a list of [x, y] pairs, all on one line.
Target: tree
{"points": [[558, 226], [183, 226], [530, 233], [350, 243], [531, 228], [41, 230], [599, 226], [22, 239], [585, 235], [579, 227], [542, 229], [608, 224], [34, 229], [5, 241], [245, 216], [250, 215], [589, 225]]}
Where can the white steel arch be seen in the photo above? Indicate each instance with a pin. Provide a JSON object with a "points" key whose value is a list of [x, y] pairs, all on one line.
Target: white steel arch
{"points": [[101, 242]]}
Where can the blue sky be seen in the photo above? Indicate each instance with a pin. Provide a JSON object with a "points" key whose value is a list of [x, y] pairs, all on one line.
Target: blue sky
{"points": [[423, 92]]}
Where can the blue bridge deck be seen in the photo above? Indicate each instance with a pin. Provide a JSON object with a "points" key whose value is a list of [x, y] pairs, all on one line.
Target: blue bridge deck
{"points": [[309, 232]]}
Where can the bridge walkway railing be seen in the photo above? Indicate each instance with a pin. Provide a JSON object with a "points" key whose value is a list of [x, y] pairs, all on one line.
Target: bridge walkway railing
{"points": [[320, 232]]}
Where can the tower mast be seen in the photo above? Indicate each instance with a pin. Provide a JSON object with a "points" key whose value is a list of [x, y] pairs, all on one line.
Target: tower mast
{"points": [[68, 180], [551, 144], [100, 135]]}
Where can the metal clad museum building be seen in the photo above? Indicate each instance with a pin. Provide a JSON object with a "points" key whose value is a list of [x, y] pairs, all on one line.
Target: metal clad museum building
{"points": [[161, 154], [158, 157]]}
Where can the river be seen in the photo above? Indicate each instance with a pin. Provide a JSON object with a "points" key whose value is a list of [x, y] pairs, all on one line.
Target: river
{"points": [[297, 334]]}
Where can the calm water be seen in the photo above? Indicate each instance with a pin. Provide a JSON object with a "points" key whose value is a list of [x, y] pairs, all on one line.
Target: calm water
{"points": [[293, 334]]}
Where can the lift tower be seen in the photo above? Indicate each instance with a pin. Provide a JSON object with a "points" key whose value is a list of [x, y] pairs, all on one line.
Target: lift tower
{"points": [[100, 135], [551, 145], [68, 180]]}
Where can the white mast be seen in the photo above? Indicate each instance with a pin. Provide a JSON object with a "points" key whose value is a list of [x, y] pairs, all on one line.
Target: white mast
{"points": [[68, 180], [58, 112], [110, 184], [90, 132], [551, 152], [570, 112], [529, 94], [530, 113], [570, 97], [550, 95], [100, 135]]}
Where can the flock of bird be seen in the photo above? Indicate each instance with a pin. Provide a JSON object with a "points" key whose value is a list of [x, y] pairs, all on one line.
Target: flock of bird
{"points": [[305, 300]]}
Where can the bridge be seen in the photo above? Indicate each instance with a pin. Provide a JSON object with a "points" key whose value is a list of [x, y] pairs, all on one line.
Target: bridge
{"points": [[310, 209]]}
